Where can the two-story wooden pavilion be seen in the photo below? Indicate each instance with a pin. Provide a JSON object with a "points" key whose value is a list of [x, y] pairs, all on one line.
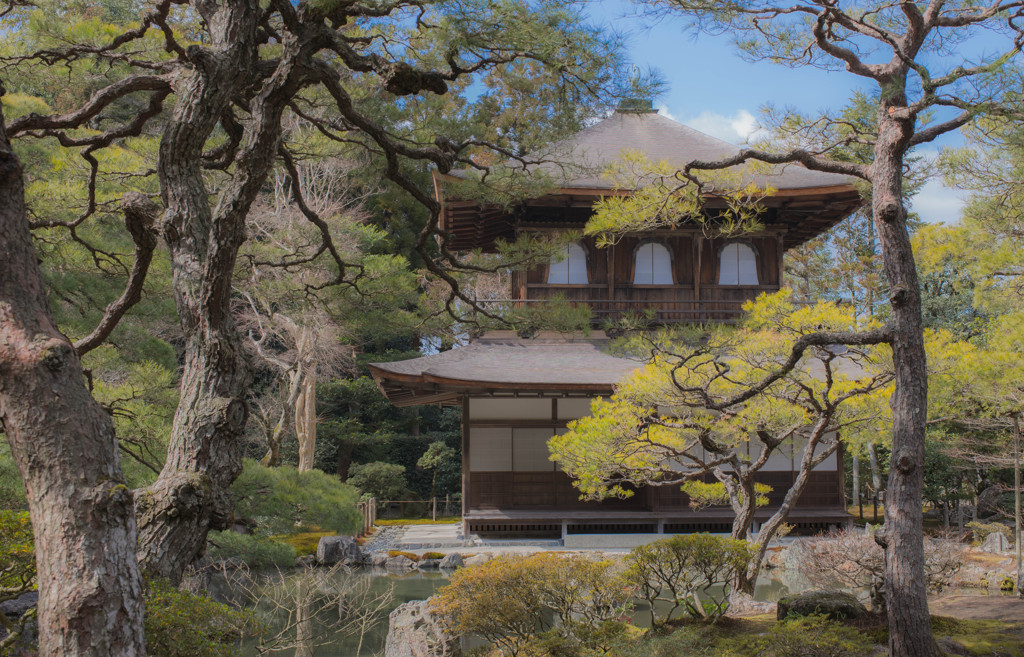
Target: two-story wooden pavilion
{"points": [[516, 393]]}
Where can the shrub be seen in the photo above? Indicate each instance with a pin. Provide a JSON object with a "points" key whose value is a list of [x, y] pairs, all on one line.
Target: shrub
{"points": [[687, 571], [17, 554], [385, 481], [810, 636], [556, 602], [281, 499], [850, 558], [12, 491], [305, 543], [182, 624], [981, 530], [256, 552]]}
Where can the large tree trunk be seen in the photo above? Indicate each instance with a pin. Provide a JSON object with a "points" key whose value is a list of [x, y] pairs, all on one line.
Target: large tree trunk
{"points": [[191, 496], [855, 498], [909, 622], [90, 598], [305, 420], [876, 469]]}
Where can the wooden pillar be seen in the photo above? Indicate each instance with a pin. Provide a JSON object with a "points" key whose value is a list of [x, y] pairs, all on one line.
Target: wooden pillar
{"points": [[781, 252], [698, 250], [611, 306], [465, 456]]}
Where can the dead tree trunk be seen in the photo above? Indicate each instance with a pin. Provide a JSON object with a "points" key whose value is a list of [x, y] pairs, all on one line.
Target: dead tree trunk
{"points": [[902, 536], [90, 601]]}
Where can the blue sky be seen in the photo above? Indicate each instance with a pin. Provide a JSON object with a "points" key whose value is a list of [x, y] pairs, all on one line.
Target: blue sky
{"points": [[712, 89]]}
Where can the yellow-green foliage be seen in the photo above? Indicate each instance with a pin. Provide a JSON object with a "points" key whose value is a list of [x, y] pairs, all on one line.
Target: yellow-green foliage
{"points": [[690, 571], [182, 624], [704, 494], [981, 530], [17, 553], [304, 543], [663, 197], [399, 553], [659, 419], [981, 638], [810, 636], [511, 601]]}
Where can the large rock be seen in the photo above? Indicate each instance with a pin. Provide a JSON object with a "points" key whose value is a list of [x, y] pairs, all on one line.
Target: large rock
{"points": [[14, 609], [833, 604], [996, 543], [338, 549], [415, 632], [399, 562], [451, 561], [743, 604]]}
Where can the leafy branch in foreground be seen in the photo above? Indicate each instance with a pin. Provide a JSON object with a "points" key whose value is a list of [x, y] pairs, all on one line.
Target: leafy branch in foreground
{"points": [[722, 404]]}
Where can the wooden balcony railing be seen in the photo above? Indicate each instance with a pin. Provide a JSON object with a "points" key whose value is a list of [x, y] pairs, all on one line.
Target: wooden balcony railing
{"points": [[663, 303], [689, 311]]}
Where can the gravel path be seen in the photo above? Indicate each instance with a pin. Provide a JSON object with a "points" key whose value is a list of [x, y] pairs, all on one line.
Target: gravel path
{"points": [[384, 539], [979, 607]]}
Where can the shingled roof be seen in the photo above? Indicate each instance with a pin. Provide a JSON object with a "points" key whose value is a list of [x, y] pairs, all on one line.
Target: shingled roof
{"points": [[806, 202], [660, 138], [502, 364]]}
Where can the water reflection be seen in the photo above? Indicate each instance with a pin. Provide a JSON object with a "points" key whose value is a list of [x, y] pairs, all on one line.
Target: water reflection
{"points": [[322, 612]]}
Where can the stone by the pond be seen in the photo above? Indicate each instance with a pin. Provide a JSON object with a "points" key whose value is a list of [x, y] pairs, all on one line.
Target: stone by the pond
{"points": [[15, 608], [428, 564], [377, 559], [399, 562], [833, 604], [743, 604], [451, 561], [477, 559], [415, 632], [996, 543], [338, 549]]}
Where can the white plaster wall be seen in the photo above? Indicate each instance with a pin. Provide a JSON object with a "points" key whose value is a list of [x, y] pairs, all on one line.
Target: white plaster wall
{"points": [[571, 408], [490, 449], [494, 408], [530, 450]]}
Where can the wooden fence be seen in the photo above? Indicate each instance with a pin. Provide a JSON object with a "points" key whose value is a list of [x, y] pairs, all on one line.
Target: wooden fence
{"points": [[368, 511]]}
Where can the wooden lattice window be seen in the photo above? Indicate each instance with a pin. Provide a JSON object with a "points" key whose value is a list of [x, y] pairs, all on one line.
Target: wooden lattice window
{"points": [[738, 265], [652, 265], [569, 267]]}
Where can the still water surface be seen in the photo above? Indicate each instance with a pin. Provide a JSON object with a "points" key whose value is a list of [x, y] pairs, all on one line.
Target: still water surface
{"points": [[306, 612]]}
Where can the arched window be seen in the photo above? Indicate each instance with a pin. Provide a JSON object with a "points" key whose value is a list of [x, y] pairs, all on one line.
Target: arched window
{"points": [[738, 265], [569, 268], [653, 265]]}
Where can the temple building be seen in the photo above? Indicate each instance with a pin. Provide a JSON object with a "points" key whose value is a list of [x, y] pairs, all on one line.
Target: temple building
{"points": [[516, 393]]}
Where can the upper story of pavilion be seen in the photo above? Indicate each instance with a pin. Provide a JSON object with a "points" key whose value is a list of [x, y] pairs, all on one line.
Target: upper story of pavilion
{"points": [[686, 273]]}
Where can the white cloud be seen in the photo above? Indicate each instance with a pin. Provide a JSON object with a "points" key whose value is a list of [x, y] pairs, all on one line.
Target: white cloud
{"points": [[936, 202], [664, 111], [738, 128]]}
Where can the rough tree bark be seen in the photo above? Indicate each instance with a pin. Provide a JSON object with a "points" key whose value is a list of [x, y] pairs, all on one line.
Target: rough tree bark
{"points": [[191, 496], [305, 418], [64, 445], [904, 549]]}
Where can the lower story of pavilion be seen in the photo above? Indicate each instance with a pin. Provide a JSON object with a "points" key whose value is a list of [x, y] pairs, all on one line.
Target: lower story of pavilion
{"points": [[516, 396]]}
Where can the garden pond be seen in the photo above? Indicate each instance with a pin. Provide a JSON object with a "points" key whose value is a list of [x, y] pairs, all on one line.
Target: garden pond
{"points": [[341, 613]]}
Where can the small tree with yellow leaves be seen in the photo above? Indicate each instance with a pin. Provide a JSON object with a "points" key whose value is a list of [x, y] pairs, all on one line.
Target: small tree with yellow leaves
{"points": [[721, 403]]}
